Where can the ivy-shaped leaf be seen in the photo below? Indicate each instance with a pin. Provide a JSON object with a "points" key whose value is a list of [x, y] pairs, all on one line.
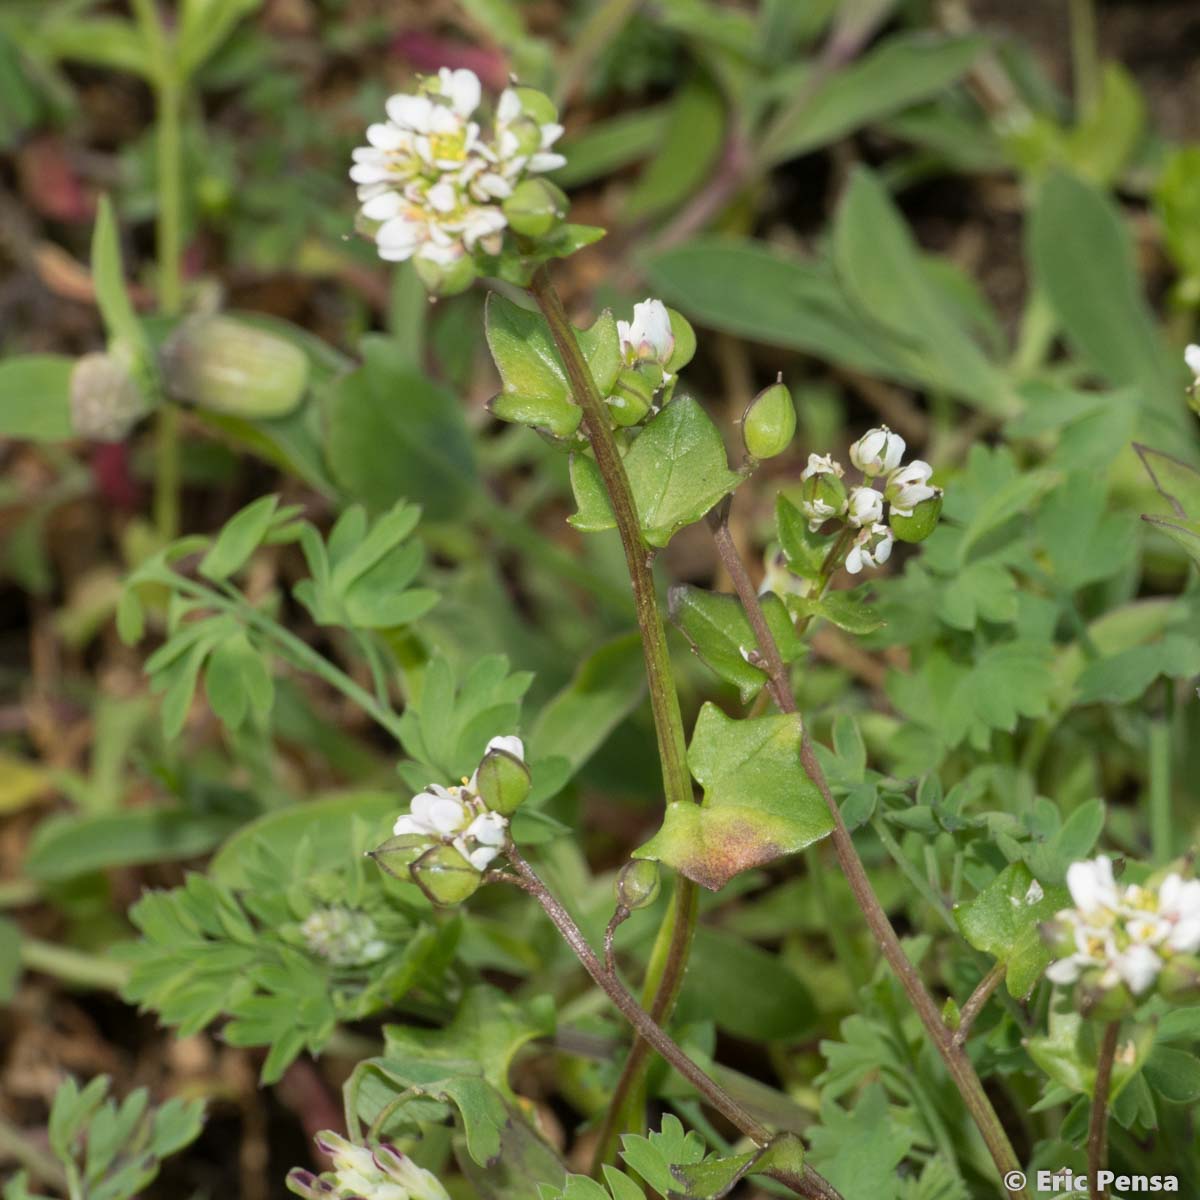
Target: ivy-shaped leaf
{"points": [[1003, 921], [677, 471], [758, 801], [535, 388], [719, 631]]}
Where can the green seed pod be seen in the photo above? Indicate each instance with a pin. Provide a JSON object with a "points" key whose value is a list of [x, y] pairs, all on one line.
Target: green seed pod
{"points": [[638, 884], [397, 854], [445, 876], [822, 496], [632, 395], [231, 366], [535, 207], [1180, 978], [446, 279], [1100, 1003], [537, 105], [769, 422], [106, 401], [921, 524], [502, 782], [685, 342]]}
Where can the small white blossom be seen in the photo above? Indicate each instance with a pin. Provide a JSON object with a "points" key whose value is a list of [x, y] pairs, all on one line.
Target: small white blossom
{"points": [[648, 337], [822, 464], [1191, 356], [1125, 933], [521, 143], [455, 816], [864, 507], [872, 547], [877, 451], [343, 936], [907, 486], [363, 1174]]}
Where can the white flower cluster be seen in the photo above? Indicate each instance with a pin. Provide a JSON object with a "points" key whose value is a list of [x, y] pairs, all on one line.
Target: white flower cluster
{"points": [[363, 1174], [878, 453], [343, 936], [456, 816], [1125, 933], [432, 179]]}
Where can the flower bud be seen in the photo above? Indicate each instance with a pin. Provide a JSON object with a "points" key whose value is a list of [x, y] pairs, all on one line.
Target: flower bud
{"points": [[638, 884], [632, 395], [769, 422], [872, 548], [445, 876], [877, 451], [907, 486], [397, 854], [920, 523], [535, 207], [231, 366], [1180, 977], [537, 105], [106, 401], [864, 506], [1100, 1000], [502, 782], [822, 496], [447, 279]]}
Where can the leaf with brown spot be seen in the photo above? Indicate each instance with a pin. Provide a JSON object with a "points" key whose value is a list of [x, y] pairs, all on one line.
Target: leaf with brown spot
{"points": [[758, 805]]}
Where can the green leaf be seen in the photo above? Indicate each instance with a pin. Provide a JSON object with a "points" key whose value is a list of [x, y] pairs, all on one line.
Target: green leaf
{"points": [[204, 25], [535, 389], [112, 296], [718, 629], [10, 960], [804, 550], [899, 72], [677, 471], [752, 290], [982, 590], [879, 265], [1003, 921], [1122, 678], [1083, 260], [1178, 482], [1071, 842], [1174, 1075], [35, 397], [393, 434], [1069, 1050], [107, 42], [859, 1151], [66, 846], [652, 1157], [1186, 533], [846, 610], [717, 1176], [758, 801], [608, 145], [241, 535]]}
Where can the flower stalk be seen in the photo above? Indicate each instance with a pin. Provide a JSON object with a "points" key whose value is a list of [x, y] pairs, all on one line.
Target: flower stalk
{"points": [[1098, 1125]]}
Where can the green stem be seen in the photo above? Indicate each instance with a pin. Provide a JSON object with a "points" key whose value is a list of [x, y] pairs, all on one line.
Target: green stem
{"points": [[957, 1063], [918, 881], [1085, 57], [75, 967], [1098, 1125], [18, 892], [1161, 829], [674, 943]]}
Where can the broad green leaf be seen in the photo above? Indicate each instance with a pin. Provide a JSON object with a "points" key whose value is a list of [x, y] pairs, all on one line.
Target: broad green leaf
{"points": [[607, 145], [1085, 542], [899, 72], [747, 288], [108, 42], [35, 397], [879, 266], [1173, 1074], [758, 801], [804, 550], [395, 435], [846, 610], [719, 631], [108, 275], [1083, 261], [66, 846], [1003, 921], [677, 471], [1122, 678], [984, 590], [535, 389], [1177, 482]]}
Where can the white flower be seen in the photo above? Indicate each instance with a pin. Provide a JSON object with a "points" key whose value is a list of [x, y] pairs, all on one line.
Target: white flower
{"points": [[872, 547], [455, 816], [1127, 933], [907, 486], [648, 336], [1191, 356], [384, 1174], [520, 141], [822, 464], [865, 506], [877, 451]]}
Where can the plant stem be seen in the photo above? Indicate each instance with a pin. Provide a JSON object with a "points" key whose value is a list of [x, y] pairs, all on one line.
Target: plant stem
{"points": [[674, 941], [953, 1055], [1161, 825], [73, 966], [1085, 62], [977, 1001], [1098, 1126], [17, 1144], [809, 1183]]}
